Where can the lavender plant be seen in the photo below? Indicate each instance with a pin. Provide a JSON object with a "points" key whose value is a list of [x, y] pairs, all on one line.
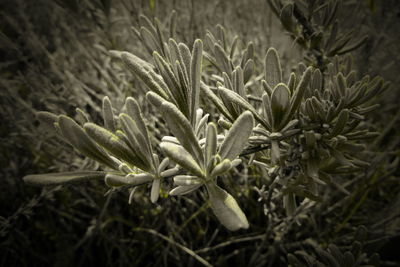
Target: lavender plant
{"points": [[226, 111]]}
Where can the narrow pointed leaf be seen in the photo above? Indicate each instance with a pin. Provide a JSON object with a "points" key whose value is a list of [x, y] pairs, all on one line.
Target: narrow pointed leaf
{"points": [[195, 75], [63, 177], [217, 102], [180, 156], [138, 179], [108, 114], [182, 130], [133, 110], [240, 101], [273, 70], [226, 208], [222, 59], [280, 101], [221, 168], [210, 148], [155, 190], [78, 138], [142, 72], [298, 95], [113, 144], [136, 140], [183, 190], [237, 137], [184, 180]]}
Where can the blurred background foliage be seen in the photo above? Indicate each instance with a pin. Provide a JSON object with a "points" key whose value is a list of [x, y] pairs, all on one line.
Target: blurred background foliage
{"points": [[54, 57]]}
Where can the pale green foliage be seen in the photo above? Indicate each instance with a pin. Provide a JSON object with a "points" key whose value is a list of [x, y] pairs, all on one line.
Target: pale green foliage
{"points": [[299, 134]]}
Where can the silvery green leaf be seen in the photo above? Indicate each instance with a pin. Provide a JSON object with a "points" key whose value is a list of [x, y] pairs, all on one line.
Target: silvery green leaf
{"points": [[180, 156], [268, 111], [221, 168], [280, 101], [114, 145], [186, 56], [158, 79], [291, 124], [183, 78], [46, 179], [108, 114], [132, 191], [275, 152], [139, 144], [340, 123], [170, 139], [115, 180], [142, 72], [123, 167], [247, 54], [195, 75], [138, 179], [298, 95], [233, 46], [266, 87], [222, 59], [133, 110], [210, 147], [224, 124], [226, 208], [78, 138], [182, 130], [248, 70], [236, 162], [292, 82], [155, 190], [237, 137], [221, 35], [201, 124], [163, 165], [155, 99], [160, 36], [149, 40], [184, 180], [172, 82], [216, 101], [273, 70], [170, 172], [174, 54], [235, 98], [81, 116], [238, 82], [145, 21], [227, 80], [183, 190]]}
